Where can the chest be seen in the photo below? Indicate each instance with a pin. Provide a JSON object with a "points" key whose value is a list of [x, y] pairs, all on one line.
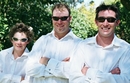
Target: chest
{"points": [[103, 59], [59, 49], [13, 66]]}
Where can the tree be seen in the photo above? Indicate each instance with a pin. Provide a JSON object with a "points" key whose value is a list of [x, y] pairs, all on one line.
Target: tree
{"points": [[122, 31], [126, 4], [32, 12], [83, 22]]}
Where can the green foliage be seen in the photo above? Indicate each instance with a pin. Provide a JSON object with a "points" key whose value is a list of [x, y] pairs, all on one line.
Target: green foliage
{"points": [[123, 30], [34, 13], [3, 31], [37, 13], [80, 25], [83, 21]]}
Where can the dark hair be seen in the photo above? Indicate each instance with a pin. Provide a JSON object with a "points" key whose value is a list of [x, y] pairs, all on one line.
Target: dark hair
{"points": [[21, 27], [103, 6], [60, 6]]}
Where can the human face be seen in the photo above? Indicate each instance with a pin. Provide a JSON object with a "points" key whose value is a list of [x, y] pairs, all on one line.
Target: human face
{"points": [[107, 28], [19, 41], [61, 26]]}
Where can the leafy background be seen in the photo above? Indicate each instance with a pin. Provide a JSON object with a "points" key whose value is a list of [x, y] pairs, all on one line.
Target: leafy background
{"points": [[37, 13]]}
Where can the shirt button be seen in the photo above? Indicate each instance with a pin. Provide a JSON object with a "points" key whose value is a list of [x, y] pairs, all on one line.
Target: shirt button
{"points": [[49, 69], [89, 78]]}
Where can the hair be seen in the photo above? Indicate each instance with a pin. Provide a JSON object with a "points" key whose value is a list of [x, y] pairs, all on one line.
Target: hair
{"points": [[21, 27], [103, 7], [60, 6]]}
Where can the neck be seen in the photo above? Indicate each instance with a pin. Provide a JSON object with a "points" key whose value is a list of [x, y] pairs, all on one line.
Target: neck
{"points": [[17, 53], [61, 35], [104, 41]]}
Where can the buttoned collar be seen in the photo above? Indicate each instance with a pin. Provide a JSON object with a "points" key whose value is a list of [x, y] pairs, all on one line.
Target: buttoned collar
{"points": [[10, 51], [69, 35], [116, 41]]}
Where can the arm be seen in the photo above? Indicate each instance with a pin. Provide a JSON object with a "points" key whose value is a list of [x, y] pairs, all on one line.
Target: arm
{"points": [[55, 67], [4, 77], [114, 71], [109, 77], [33, 67], [9, 78], [79, 74]]}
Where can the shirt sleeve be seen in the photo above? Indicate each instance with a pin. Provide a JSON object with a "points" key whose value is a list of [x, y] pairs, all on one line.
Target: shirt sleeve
{"points": [[5, 78], [58, 68], [96, 76], [77, 63], [9, 78], [33, 67], [123, 77]]}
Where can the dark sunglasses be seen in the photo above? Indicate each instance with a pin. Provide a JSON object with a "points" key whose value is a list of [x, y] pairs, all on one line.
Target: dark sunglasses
{"points": [[22, 40], [109, 19], [64, 18]]}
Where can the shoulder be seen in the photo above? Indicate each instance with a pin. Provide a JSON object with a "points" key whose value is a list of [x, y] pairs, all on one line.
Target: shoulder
{"points": [[43, 37], [122, 42], [89, 40], [85, 42], [6, 51]]}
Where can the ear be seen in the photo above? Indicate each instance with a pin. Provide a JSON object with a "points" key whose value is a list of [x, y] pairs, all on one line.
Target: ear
{"points": [[117, 22], [96, 22], [70, 18]]}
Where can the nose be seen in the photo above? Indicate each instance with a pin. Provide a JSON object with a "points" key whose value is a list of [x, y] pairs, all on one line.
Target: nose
{"points": [[59, 21], [19, 42], [105, 22]]}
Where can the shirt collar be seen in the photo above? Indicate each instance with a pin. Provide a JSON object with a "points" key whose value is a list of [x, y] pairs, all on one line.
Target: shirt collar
{"points": [[69, 35], [116, 41], [25, 54]]}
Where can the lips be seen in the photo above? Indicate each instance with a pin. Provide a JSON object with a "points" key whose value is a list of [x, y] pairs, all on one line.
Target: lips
{"points": [[105, 29]]}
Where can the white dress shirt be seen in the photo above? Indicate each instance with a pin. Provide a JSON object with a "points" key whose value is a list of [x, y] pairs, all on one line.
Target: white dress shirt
{"points": [[101, 60], [12, 69], [57, 50]]}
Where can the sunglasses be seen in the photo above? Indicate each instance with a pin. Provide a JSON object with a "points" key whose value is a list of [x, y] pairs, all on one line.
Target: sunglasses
{"points": [[64, 18], [109, 19], [22, 40]]}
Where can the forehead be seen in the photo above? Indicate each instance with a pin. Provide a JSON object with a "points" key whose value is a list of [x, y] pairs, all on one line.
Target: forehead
{"points": [[107, 13], [60, 12], [20, 35]]}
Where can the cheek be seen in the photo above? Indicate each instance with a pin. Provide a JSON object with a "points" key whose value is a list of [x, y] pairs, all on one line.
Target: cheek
{"points": [[25, 43], [54, 23], [13, 42], [97, 23], [67, 23]]}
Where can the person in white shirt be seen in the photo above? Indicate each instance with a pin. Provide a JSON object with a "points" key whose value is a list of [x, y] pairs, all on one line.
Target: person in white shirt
{"points": [[13, 59], [51, 54], [104, 58]]}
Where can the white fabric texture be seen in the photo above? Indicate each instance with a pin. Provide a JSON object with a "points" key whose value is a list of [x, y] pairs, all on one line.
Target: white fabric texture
{"points": [[101, 60], [57, 50], [12, 69]]}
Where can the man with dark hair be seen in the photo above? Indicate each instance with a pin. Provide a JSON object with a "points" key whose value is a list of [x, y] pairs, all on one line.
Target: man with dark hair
{"points": [[51, 53], [104, 58]]}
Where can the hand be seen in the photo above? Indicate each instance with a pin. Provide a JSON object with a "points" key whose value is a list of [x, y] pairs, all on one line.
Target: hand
{"points": [[84, 69], [44, 60], [22, 78], [116, 71], [66, 59]]}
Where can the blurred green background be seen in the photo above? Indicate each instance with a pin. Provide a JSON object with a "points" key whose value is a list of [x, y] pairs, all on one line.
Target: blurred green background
{"points": [[37, 13]]}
